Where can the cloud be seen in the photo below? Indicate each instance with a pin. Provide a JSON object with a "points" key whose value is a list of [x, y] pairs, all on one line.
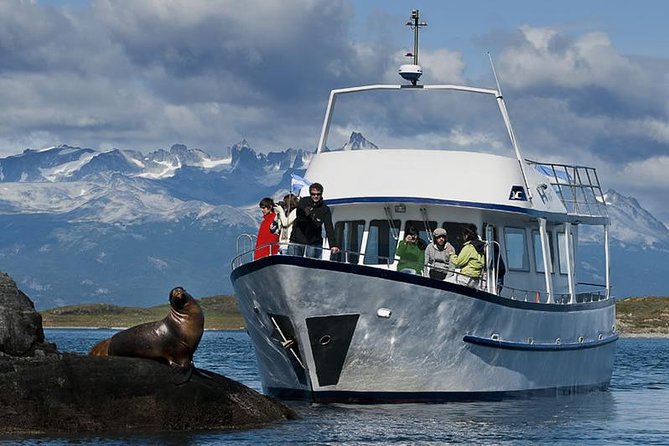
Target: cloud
{"points": [[653, 171], [145, 74], [545, 58]]}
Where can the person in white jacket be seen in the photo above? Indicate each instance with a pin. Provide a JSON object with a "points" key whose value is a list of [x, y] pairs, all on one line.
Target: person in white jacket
{"points": [[286, 213]]}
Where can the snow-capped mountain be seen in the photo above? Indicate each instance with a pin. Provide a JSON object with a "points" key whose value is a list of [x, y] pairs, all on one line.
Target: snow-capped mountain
{"points": [[358, 142], [121, 226], [632, 224], [117, 226]]}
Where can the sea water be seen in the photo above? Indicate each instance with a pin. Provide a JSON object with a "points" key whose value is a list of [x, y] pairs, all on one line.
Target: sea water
{"points": [[635, 409]]}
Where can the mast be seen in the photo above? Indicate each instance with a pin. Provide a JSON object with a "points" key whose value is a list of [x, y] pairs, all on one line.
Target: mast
{"points": [[412, 72]]}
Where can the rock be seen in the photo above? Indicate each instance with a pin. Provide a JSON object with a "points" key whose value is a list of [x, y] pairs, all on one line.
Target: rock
{"points": [[95, 394], [21, 330], [44, 391]]}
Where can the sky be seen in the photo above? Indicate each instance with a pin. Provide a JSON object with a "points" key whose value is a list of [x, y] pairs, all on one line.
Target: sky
{"points": [[585, 82]]}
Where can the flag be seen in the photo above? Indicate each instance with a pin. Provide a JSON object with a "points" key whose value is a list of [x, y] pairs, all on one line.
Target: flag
{"points": [[297, 183]]}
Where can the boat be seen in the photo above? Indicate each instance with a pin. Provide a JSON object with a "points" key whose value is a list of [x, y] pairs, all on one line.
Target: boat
{"points": [[350, 328]]}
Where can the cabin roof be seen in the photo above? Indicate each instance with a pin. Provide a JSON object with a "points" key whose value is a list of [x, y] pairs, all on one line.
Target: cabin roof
{"points": [[456, 178]]}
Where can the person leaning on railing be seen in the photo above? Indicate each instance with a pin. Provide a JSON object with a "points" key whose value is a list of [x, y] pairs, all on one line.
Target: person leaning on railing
{"points": [[471, 259]]}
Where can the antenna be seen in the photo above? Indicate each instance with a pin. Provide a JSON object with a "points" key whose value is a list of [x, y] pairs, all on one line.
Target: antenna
{"points": [[507, 122], [494, 73], [412, 72]]}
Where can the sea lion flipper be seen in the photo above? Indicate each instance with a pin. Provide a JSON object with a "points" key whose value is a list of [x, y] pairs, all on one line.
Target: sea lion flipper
{"points": [[101, 348], [202, 373], [182, 374]]}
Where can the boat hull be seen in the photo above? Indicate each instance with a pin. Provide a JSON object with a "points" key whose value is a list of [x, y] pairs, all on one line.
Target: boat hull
{"points": [[335, 332]]}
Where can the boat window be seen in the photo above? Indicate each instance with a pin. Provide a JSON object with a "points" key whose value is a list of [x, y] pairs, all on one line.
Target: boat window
{"points": [[538, 256], [349, 235], [562, 252], [381, 244], [420, 226], [516, 252], [456, 233]]}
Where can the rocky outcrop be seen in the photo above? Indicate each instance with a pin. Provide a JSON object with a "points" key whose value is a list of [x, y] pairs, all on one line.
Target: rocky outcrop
{"points": [[94, 394], [42, 390], [21, 332]]}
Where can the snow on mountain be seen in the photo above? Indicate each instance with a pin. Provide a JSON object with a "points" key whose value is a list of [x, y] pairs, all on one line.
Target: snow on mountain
{"points": [[164, 164], [46, 165], [82, 225], [66, 169], [631, 224]]}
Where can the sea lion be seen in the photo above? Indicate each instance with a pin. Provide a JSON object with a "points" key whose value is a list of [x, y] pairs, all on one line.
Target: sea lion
{"points": [[172, 340]]}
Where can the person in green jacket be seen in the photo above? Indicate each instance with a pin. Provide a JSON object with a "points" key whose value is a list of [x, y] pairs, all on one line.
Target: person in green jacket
{"points": [[471, 259], [411, 253]]}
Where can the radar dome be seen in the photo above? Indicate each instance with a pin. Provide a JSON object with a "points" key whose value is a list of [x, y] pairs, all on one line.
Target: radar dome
{"points": [[411, 72]]}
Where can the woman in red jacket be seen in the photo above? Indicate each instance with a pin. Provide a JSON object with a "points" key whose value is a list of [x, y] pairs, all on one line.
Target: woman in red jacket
{"points": [[267, 241]]}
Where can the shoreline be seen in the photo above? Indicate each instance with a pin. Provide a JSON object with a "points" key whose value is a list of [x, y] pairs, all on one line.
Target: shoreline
{"points": [[649, 335]]}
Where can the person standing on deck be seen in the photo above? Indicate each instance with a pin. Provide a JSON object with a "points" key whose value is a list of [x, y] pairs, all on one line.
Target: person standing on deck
{"points": [[437, 256], [471, 259], [266, 243], [411, 253], [312, 214], [286, 214]]}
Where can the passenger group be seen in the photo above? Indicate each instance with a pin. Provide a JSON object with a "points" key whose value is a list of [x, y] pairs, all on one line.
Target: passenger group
{"points": [[295, 227]]}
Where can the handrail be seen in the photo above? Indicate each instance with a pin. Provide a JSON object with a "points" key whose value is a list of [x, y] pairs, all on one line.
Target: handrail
{"points": [[577, 187], [324, 254]]}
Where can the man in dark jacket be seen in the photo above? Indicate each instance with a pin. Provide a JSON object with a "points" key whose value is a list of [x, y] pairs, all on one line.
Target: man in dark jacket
{"points": [[312, 214]]}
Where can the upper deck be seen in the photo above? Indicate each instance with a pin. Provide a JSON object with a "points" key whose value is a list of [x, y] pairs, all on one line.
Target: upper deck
{"points": [[454, 178]]}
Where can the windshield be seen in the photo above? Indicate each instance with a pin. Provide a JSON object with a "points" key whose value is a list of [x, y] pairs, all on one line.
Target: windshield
{"points": [[394, 119]]}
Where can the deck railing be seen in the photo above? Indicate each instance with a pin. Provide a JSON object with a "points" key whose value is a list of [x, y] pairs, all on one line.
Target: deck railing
{"points": [[577, 186], [596, 293]]}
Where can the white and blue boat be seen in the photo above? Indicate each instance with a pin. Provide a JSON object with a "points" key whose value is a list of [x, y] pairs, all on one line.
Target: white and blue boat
{"points": [[354, 329]]}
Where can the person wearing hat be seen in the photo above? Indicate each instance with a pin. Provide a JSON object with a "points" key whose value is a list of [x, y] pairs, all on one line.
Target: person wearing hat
{"points": [[437, 256], [471, 258]]}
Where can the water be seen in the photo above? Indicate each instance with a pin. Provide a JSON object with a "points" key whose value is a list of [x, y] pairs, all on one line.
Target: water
{"points": [[635, 410]]}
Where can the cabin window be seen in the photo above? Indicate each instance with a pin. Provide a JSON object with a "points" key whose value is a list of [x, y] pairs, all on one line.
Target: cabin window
{"points": [[562, 252], [381, 242], [538, 256], [456, 233], [515, 244], [349, 235], [422, 229]]}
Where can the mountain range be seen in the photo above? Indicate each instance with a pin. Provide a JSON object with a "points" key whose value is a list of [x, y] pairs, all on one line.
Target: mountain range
{"points": [[123, 227]]}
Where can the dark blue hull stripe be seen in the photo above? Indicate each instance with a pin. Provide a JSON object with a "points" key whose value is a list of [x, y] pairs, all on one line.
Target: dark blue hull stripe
{"points": [[367, 271], [524, 346], [422, 397]]}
